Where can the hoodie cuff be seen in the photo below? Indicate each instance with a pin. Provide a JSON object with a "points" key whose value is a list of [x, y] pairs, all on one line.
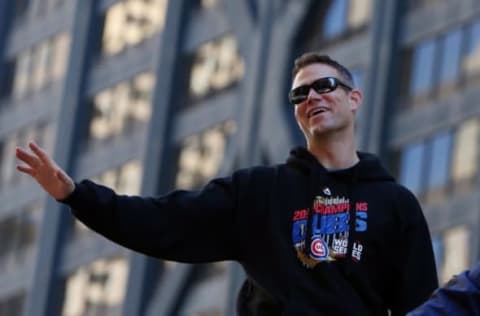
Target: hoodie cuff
{"points": [[72, 196]]}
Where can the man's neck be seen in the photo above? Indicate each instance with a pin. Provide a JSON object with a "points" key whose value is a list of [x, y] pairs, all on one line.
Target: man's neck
{"points": [[334, 155]]}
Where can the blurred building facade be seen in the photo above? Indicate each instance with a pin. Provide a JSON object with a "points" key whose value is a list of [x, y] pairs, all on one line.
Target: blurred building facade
{"points": [[151, 95]]}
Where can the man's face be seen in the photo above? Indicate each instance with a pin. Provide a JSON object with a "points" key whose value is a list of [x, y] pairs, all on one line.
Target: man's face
{"points": [[324, 113]]}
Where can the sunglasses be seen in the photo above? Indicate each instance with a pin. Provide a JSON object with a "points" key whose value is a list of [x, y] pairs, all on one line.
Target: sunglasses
{"points": [[322, 85]]}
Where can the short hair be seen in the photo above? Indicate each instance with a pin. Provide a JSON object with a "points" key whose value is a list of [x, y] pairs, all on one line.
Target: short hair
{"points": [[316, 58]]}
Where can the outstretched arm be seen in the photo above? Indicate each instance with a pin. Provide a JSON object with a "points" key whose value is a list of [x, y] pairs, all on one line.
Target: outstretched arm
{"points": [[188, 226], [40, 166]]}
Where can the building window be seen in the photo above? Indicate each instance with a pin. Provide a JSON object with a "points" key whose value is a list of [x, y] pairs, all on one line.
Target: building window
{"points": [[422, 69], [416, 4], [439, 162], [451, 48], [8, 174], [207, 295], [465, 151], [125, 179], [121, 108], [216, 65], [471, 61], [344, 15], [40, 65], [439, 64], [47, 6], [335, 19], [359, 13], [446, 158], [201, 156], [129, 178], [42, 133], [411, 167], [60, 54], [9, 234], [208, 4], [437, 245], [43, 61], [22, 74], [358, 75], [456, 258], [19, 233], [20, 10], [12, 305], [3, 155], [129, 22], [96, 289], [6, 80]]}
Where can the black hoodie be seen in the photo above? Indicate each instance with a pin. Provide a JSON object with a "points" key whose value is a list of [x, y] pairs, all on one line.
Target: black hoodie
{"points": [[312, 241]]}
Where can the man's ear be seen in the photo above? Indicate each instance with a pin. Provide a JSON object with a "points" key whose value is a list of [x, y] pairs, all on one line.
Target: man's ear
{"points": [[356, 98]]}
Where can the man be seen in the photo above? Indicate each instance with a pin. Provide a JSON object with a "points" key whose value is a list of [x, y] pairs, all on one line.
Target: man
{"points": [[459, 297], [327, 233]]}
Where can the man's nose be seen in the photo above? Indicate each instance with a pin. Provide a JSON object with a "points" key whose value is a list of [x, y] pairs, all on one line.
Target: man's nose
{"points": [[312, 94]]}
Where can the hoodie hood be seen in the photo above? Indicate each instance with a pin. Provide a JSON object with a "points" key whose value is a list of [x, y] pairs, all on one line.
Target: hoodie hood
{"points": [[369, 168]]}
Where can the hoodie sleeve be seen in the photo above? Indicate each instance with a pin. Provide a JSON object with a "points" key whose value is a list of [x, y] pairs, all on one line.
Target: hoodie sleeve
{"points": [[185, 226], [415, 271], [460, 296]]}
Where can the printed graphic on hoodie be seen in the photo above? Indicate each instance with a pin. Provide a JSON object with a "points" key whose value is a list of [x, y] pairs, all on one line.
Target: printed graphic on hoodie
{"points": [[322, 234]]}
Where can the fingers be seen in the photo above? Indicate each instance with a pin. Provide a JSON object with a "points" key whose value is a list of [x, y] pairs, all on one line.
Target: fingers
{"points": [[34, 160], [40, 153], [26, 170], [26, 157]]}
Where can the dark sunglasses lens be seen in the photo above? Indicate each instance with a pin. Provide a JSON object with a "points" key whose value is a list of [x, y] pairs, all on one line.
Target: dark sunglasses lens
{"points": [[298, 95], [324, 85]]}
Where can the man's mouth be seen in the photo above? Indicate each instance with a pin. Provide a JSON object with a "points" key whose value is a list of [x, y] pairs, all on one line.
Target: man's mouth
{"points": [[316, 112]]}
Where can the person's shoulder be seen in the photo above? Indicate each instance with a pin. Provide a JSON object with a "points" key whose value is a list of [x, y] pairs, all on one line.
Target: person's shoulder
{"points": [[391, 186], [400, 195], [263, 174], [403, 192], [256, 172], [407, 203], [262, 169]]}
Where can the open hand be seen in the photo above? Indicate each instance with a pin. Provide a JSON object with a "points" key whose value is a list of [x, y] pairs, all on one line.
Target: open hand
{"points": [[48, 174]]}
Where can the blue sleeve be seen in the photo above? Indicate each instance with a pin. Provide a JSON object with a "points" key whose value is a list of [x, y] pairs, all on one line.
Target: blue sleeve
{"points": [[460, 296]]}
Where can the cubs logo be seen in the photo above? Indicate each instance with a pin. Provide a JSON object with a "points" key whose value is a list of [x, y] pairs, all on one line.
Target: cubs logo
{"points": [[319, 249]]}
